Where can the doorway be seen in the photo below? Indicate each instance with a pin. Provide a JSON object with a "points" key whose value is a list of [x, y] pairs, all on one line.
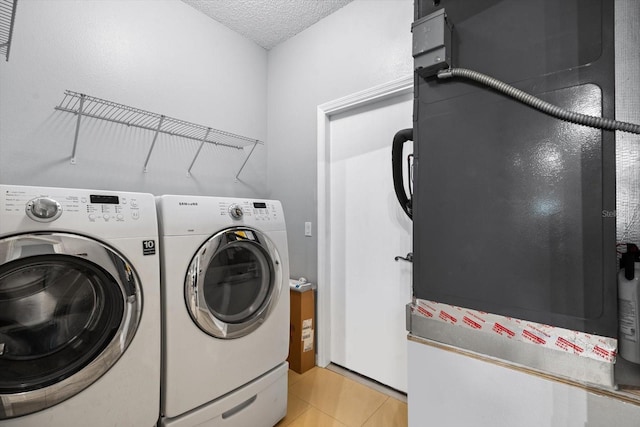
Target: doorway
{"points": [[362, 290]]}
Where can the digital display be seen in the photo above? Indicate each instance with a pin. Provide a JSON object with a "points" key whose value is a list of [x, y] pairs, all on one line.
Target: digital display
{"points": [[110, 200], [259, 205]]}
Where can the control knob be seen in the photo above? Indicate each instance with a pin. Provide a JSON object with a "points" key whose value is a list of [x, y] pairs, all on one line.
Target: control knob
{"points": [[43, 209], [235, 211]]}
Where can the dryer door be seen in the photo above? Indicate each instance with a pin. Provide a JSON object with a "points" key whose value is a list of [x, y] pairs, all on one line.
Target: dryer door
{"points": [[69, 307], [233, 282]]}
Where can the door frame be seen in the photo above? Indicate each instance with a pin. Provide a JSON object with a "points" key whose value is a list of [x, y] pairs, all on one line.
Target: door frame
{"points": [[325, 112]]}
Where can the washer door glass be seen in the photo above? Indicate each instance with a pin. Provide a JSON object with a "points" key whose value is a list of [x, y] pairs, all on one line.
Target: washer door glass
{"points": [[56, 314], [62, 318], [233, 282]]}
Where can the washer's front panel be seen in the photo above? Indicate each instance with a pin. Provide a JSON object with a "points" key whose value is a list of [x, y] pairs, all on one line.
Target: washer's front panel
{"points": [[69, 308], [77, 340]]}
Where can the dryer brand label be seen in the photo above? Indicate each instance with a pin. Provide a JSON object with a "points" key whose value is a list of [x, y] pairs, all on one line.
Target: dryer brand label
{"points": [[187, 203], [148, 247]]}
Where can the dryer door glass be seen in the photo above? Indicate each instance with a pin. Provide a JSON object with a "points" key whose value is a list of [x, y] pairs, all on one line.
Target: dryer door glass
{"points": [[69, 307], [237, 282], [233, 282]]}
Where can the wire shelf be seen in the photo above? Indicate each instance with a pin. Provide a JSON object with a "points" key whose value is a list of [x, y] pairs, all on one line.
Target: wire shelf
{"points": [[7, 19], [89, 106]]}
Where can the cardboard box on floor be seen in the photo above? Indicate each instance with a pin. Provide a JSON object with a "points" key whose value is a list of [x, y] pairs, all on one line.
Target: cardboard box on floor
{"points": [[302, 354]]}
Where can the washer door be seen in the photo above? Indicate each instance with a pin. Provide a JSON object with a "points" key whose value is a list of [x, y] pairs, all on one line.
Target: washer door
{"points": [[69, 307], [233, 282]]}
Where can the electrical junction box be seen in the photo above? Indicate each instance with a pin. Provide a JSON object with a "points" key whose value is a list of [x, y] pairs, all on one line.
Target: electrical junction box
{"points": [[431, 43]]}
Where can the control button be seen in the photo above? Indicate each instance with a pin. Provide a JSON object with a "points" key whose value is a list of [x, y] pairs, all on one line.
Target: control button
{"points": [[92, 217], [120, 217], [43, 209], [106, 217], [135, 214], [83, 200], [123, 200], [134, 203], [235, 211]]}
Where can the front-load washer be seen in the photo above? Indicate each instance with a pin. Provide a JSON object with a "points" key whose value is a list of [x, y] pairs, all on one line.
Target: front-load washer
{"points": [[225, 272], [79, 308]]}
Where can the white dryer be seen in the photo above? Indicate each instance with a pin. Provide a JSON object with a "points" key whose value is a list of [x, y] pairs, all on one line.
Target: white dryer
{"points": [[79, 308], [225, 272]]}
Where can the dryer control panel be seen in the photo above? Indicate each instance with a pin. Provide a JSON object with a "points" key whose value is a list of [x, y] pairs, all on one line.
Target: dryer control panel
{"points": [[205, 215], [259, 211]]}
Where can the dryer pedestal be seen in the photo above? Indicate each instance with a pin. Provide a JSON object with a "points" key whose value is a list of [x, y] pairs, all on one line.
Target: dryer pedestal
{"points": [[261, 403]]}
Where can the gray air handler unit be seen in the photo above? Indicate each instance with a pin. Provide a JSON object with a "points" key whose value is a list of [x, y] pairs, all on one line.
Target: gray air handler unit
{"points": [[510, 204]]}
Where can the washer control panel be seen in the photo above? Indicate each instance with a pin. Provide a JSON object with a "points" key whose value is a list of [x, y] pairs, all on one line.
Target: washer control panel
{"points": [[93, 207], [110, 208]]}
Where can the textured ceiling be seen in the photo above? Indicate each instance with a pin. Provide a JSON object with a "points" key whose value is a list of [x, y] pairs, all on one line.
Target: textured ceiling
{"points": [[267, 22]]}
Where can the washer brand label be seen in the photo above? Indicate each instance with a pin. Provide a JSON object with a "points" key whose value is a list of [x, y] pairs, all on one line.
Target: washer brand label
{"points": [[187, 203], [148, 247]]}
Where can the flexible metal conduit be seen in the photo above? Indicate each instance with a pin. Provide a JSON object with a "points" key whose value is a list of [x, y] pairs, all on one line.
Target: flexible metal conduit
{"points": [[539, 104]]}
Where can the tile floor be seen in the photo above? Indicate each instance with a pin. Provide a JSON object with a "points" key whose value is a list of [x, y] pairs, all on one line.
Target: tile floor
{"points": [[321, 397]]}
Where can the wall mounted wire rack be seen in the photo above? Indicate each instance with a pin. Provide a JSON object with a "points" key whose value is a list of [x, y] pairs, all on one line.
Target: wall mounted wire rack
{"points": [[89, 106], [7, 19]]}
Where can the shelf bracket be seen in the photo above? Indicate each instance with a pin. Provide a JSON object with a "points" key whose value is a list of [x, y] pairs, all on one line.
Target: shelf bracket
{"points": [[198, 152], [246, 160], [75, 138], [153, 144]]}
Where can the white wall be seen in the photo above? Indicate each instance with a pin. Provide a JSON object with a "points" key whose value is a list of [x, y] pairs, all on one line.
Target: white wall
{"points": [[164, 56], [364, 44], [157, 55]]}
